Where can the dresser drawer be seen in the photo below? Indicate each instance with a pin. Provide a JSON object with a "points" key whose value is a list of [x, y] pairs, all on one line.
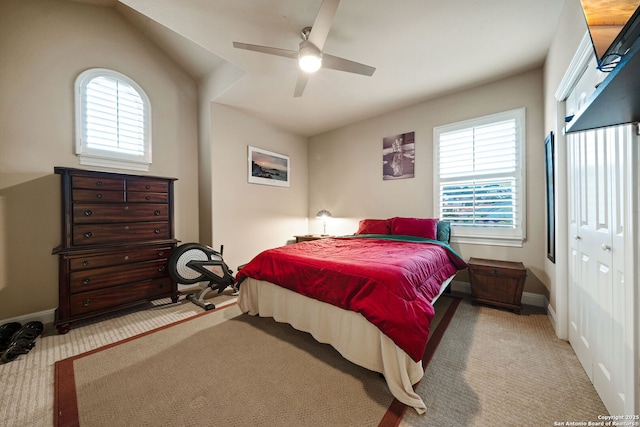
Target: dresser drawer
{"points": [[86, 213], [97, 183], [87, 302], [86, 280], [127, 256], [148, 186], [93, 234], [98, 196], [139, 197]]}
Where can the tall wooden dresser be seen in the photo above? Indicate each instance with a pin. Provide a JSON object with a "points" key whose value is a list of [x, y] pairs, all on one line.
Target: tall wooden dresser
{"points": [[117, 235]]}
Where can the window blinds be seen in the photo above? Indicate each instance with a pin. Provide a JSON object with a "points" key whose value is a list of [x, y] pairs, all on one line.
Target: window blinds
{"points": [[478, 169], [114, 117]]}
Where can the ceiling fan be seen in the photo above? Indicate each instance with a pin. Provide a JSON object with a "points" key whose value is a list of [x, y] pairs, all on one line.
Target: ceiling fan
{"points": [[310, 55]]}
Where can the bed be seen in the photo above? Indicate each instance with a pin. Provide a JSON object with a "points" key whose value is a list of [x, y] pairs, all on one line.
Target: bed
{"points": [[369, 295]]}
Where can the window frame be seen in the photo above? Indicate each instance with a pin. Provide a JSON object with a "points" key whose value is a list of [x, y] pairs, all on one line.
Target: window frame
{"points": [[486, 235], [91, 156]]}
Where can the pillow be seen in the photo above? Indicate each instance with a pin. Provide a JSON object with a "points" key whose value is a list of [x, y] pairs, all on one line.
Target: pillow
{"points": [[444, 231], [374, 226], [419, 227]]}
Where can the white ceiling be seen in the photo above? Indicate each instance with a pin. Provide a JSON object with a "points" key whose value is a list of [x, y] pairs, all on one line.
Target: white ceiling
{"points": [[421, 49]]}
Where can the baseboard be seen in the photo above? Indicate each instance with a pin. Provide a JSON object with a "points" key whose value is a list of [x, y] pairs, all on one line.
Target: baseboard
{"points": [[551, 314], [528, 298], [46, 316]]}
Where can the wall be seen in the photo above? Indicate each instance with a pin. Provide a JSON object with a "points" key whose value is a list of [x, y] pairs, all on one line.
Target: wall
{"points": [[570, 31], [345, 168], [44, 45], [249, 218]]}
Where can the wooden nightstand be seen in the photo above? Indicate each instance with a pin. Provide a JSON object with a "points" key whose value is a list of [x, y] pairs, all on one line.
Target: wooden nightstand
{"points": [[497, 283], [308, 237]]}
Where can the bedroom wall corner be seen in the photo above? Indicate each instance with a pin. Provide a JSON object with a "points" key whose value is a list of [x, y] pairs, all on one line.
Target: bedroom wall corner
{"points": [[38, 130], [570, 32], [345, 167], [249, 218]]}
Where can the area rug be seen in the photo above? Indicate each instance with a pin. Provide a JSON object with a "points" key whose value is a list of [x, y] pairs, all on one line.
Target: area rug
{"points": [[226, 368]]}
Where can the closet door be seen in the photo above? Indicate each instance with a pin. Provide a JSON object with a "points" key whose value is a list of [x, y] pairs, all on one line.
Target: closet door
{"points": [[610, 369], [580, 325], [598, 188]]}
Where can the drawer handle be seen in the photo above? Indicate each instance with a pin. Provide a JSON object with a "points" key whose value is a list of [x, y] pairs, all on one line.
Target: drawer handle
{"points": [[126, 257], [88, 234], [126, 227], [147, 186], [495, 272], [86, 302], [99, 183], [156, 212], [160, 253], [88, 212], [86, 281], [157, 231], [99, 196], [147, 197], [85, 262], [161, 285], [161, 268]]}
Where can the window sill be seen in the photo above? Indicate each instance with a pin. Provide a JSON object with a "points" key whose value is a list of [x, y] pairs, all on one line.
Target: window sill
{"points": [[488, 241], [117, 164]]}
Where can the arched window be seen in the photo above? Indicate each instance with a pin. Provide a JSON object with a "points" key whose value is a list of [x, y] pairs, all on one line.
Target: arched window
{"points": [[113, 121]]}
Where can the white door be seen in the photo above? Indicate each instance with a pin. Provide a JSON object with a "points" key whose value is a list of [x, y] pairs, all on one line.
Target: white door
{"points": [[609, 370], [598, 179], [579, 320]]}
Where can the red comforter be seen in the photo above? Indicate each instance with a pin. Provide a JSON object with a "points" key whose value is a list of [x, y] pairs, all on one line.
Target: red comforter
{"points": [[390, 280]]}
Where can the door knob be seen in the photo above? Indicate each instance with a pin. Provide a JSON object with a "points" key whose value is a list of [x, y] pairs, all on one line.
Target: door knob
{"points": [[606, 247]]}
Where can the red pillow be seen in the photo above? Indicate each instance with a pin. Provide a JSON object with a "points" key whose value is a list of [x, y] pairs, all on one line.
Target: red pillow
{"points": [[419, 227], [374, 226]]}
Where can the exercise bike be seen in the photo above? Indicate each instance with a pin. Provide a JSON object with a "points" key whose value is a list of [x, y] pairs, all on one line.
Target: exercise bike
{"points": [[193, 263]]}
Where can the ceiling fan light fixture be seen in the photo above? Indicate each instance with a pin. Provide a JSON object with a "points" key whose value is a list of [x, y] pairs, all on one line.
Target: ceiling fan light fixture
{"points": [[309, 57]]}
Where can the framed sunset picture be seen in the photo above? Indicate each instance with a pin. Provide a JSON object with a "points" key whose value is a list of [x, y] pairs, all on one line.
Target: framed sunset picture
{"points": [[268, 168]]}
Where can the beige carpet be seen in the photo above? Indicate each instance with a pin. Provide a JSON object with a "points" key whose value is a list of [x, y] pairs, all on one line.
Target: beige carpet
{"points": [[492, 368], [222, 368], [495, 368]]}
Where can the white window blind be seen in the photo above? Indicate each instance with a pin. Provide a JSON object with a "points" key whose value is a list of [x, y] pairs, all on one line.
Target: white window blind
{"points": [[479, 182], [113, 121]]}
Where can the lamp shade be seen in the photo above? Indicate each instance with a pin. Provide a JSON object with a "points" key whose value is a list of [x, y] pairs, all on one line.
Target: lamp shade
{"points": [[309, 57], [323, 214]]}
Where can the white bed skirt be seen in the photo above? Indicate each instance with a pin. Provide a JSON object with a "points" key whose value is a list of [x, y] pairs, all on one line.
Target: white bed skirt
{"points": [[358, 340]]}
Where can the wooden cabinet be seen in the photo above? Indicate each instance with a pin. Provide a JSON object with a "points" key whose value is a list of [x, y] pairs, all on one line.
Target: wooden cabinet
{"points": [[117, 235], [497, 283]]}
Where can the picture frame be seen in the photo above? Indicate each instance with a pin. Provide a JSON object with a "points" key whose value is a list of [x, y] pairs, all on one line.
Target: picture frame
{"points": [[550, 181], [268, 168], [398, 156]]}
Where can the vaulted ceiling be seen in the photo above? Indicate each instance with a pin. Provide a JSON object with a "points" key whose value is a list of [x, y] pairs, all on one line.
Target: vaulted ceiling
{"points": [[421, 49]]}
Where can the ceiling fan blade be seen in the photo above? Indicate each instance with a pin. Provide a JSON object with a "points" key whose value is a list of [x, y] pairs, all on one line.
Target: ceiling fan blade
{"points": [[301, 83], [322, 23], [341, 64], [266, 49]]}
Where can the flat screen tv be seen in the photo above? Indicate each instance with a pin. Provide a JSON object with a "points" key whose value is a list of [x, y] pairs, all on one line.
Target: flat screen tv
{"points": [[613, 26]]}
